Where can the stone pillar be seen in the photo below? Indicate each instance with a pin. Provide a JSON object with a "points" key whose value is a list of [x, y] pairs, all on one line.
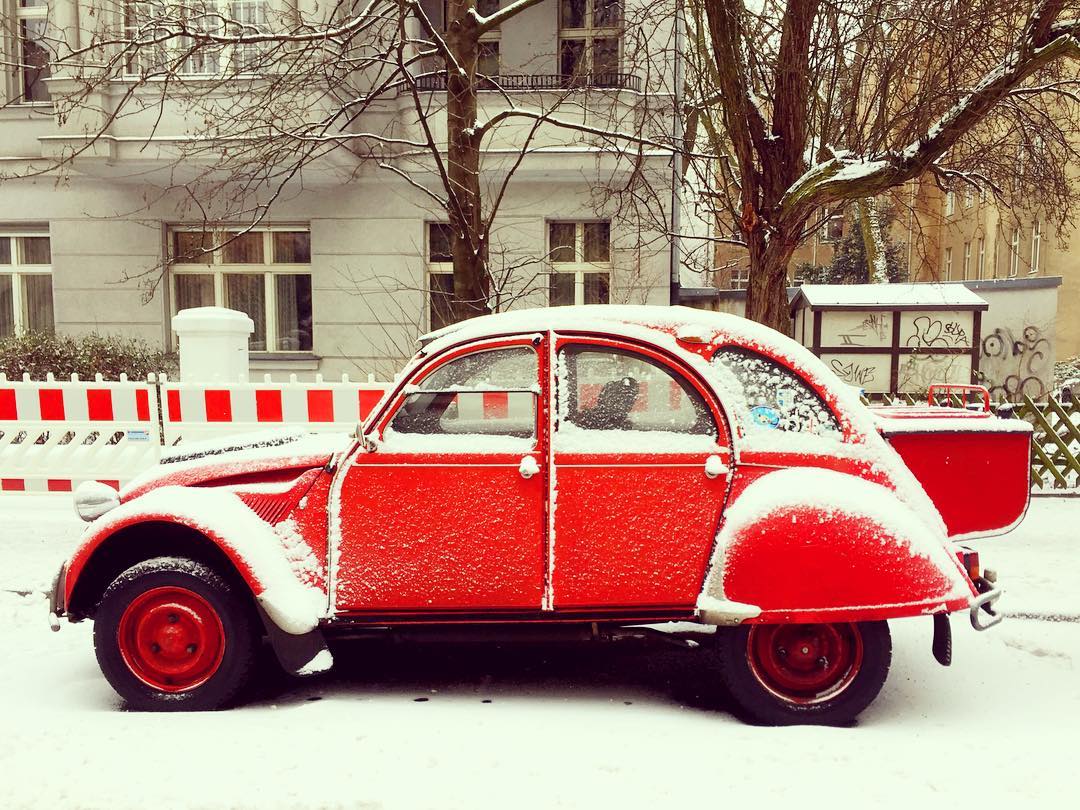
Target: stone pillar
{"points": [[213, 344]]}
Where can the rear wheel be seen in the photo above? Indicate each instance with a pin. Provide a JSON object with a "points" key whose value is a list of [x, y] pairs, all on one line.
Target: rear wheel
{"points": [[173, 634], [780, 674]]}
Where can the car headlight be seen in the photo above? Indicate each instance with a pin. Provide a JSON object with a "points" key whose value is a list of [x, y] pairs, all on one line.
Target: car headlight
{"points": [[93, 499]]}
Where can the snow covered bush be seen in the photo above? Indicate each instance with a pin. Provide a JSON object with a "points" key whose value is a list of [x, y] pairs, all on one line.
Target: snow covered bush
{"points": [[39, 353]]}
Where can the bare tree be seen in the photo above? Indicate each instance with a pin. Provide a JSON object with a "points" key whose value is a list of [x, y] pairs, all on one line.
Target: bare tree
{"points": [[805, 105], [239, 104]]}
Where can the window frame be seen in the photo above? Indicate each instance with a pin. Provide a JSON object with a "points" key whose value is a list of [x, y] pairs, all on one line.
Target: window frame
{"points": [[135, 66], [1014, 253], [981, 261], [967, 260], [579, 267], [686, 381], [1036, 246], [217, 268], [18, 271], [414, 382], [24, 14], [588, 33], [946, 270]]}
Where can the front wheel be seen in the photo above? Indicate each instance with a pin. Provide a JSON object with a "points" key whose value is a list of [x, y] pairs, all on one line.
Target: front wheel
{"points": [[782, 674], [173, 634]]}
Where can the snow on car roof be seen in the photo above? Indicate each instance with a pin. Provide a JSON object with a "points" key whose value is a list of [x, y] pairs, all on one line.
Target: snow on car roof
{"points": [[887, 296], [608, 318]]}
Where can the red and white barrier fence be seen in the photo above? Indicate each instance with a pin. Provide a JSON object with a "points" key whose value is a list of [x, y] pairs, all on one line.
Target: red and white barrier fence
{"points": [[56, 434], [195, 411]]}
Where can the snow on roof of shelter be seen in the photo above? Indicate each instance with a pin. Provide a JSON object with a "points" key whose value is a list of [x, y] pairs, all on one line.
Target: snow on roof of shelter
{"points": [[887, 296]]}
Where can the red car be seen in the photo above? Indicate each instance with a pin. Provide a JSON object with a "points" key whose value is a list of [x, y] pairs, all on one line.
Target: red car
{"points": [[584, 469]]}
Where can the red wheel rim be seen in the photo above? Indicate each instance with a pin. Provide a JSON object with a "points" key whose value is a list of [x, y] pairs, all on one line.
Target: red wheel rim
{"points": [[171, 639], [805, 663]]}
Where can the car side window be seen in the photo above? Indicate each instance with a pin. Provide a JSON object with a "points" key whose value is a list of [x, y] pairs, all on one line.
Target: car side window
{"points": [[774, 397], [603, 390], [490, 393]]}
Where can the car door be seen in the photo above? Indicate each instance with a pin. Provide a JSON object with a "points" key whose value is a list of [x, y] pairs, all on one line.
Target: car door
{"points": [[640, 459], [446, 512]]}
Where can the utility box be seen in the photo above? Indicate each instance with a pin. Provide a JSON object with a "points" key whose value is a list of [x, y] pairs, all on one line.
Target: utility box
{"points": [[213, 344], [892, 338]]}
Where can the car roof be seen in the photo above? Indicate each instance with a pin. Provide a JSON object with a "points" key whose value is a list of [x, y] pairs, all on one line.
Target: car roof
{"points": [[704, 326]]}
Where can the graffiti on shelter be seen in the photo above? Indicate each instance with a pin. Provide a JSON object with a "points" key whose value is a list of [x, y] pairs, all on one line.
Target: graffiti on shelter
{"points": [[936, 333], [917, 372], [1013, 366], [852, 372], [875, 327]]}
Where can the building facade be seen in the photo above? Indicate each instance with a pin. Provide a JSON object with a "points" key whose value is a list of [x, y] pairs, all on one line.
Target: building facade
{"points": [[351, 263]]}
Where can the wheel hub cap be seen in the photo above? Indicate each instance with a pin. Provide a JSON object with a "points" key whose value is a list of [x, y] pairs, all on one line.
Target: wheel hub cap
{"points": [[171, 639], [805, 663]]}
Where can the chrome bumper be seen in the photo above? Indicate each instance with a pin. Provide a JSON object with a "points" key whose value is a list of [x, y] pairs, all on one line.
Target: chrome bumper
{"points": [[985, 602], [56, 598]]}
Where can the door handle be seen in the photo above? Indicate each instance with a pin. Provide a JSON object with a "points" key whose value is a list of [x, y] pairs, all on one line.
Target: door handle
{"points": [[715, 467], [528, 467]]}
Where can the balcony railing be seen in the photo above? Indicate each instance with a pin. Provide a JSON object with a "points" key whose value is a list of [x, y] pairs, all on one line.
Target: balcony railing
{"points": [[540, 81]]}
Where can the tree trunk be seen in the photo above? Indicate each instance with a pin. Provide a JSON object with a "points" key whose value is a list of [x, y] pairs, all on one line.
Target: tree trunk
{"points": [[877, 270], [766, 291], [468, 243]]}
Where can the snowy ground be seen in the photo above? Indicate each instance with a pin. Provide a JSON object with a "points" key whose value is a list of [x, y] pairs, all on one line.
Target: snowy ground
{"points": [[532, 726]]}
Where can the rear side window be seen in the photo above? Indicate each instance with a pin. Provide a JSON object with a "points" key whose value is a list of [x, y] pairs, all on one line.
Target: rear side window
{"points": [[771, 397], [618, 401]]}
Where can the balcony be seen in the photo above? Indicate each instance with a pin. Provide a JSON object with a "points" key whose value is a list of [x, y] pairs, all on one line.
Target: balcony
{"points": [[540, 81]]}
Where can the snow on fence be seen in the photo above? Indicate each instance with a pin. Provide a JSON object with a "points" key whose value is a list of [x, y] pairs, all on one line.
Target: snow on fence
{"points": [[56, 434]]}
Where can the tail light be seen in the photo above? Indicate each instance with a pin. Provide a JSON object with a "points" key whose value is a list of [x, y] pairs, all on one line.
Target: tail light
{"points": [[970, 560]]}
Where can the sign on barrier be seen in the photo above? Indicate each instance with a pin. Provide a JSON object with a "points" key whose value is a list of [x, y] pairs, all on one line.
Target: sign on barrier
{"points": [[56, 434]]}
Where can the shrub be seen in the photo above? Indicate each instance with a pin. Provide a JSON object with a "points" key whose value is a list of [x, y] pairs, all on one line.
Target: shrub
{"points": [[39, 353]]}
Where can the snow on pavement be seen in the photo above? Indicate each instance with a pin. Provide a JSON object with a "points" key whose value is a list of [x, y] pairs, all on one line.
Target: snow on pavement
{"points": [[526, 726]]}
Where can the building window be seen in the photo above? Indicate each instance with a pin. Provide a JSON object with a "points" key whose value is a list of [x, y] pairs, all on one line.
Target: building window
{"points": [[1014, 254], [1036, 246], [947, 270], [32, 68], [26, 300], [967, 261], [264, 273], [950, 203], [834, 227], [981, 261], [590, 33], [442, 305], [969, 195], [740, 278], [144, 20], [580, 256]]}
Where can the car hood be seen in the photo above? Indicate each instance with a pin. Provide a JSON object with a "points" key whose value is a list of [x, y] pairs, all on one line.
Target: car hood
{"points": [[249, 458]]}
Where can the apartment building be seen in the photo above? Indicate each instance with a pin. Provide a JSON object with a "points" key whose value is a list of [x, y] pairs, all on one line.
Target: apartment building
{"points": [[351, 263]]}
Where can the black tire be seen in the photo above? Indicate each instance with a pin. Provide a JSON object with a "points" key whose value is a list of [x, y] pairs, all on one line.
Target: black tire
{"points": [[769, 687], [148, 628]]}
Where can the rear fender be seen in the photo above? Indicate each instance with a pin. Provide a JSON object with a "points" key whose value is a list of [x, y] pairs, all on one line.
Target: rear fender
{"points": [[247, 542], [813, 545]]}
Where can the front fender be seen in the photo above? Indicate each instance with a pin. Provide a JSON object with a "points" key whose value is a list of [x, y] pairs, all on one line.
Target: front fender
{"points": [[222, 518], [814, 545]]}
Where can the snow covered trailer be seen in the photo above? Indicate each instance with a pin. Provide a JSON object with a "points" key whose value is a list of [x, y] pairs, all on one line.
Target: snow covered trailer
{"points": [[578, 471]]}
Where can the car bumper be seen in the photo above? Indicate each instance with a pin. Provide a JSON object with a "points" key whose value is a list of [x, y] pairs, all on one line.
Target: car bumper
{"points": [[984, 604], [56, 598]]}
